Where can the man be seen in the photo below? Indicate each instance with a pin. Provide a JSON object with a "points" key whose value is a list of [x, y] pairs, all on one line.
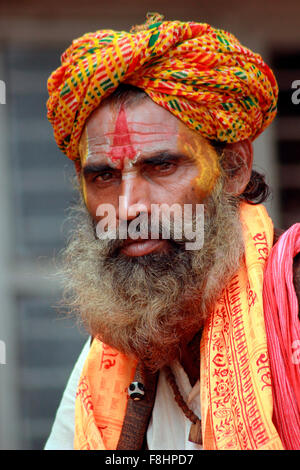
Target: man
{"points": [[192, 344]]}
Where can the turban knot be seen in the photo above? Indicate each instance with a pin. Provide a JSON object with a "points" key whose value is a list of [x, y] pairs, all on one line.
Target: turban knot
{"points": [[201, 74]]}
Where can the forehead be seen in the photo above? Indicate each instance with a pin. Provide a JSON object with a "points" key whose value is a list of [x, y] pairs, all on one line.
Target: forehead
{"points": [[116, 132], [143, 113]]}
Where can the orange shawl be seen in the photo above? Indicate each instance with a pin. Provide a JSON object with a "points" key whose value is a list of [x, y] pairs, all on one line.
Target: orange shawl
{"points": [[236, 392]]}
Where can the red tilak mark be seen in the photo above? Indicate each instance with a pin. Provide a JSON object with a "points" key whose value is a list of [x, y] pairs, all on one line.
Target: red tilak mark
{"points": [[122, 146]]}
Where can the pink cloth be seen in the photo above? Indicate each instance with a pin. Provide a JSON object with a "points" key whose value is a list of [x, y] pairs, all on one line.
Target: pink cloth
{"points": [[283, 335]]}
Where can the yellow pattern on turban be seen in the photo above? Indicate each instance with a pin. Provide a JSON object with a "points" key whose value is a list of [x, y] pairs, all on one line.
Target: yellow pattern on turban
{"points": [[202, 75]]}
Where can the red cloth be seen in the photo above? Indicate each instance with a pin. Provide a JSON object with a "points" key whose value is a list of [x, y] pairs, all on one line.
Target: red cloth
{"points": [[283, 333]]}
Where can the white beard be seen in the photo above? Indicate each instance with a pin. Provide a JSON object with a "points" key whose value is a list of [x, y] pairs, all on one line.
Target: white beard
{"points": [[149, 306]]}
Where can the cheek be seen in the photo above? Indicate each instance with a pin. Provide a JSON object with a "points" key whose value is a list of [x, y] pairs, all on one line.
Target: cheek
{"points": [[207, 168], [183, 190], [208, 174], [94, 200]]}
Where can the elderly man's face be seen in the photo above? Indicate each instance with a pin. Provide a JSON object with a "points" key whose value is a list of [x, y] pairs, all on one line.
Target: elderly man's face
{"points": [[148, 297], [146, 155]]}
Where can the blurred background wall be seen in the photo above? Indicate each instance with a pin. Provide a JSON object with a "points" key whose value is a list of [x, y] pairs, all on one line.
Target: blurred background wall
{"points": [[35, 190]]}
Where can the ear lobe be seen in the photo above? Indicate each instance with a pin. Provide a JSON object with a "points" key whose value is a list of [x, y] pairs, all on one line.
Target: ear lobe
{"points": [[237, 163]]}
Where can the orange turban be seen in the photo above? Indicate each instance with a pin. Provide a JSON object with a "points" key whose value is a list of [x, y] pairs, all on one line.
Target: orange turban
{"points": [[202, 75]]}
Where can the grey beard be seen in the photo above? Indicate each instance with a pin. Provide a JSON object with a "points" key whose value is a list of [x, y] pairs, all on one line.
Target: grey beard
{"points": [[149, 306]]}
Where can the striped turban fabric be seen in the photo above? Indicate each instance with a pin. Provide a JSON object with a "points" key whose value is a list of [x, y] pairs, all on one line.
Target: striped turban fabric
{"points": [[202, 75]]}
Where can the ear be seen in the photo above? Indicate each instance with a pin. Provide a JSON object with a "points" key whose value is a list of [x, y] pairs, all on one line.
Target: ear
{"points": [[238, 160]]}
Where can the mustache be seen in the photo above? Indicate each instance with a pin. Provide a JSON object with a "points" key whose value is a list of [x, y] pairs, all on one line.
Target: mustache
{"points": [[114, 240]]}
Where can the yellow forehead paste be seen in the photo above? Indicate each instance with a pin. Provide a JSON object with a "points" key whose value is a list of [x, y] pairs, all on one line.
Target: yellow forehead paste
{"points": [[206, 159], [83, 148]]}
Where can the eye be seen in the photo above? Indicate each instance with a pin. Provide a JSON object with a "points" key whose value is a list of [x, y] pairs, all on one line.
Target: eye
{"points": [[163, 168], [105, 176]]}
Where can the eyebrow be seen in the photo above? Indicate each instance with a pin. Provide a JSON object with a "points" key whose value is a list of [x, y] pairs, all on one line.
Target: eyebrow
{"points": [[160, 157], [96, 168]]}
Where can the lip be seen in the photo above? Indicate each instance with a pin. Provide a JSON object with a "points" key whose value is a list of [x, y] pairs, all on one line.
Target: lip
{"points": [[142, 247]]}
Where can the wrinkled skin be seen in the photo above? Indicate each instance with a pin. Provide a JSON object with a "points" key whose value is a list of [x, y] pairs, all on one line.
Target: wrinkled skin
{"points": [[145, 154]]}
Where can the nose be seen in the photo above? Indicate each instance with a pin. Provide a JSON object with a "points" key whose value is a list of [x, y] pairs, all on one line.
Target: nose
{"points": [[133, 197]]}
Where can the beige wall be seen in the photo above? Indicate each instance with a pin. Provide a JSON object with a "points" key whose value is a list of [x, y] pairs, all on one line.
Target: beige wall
{"points": [[267, 21]]}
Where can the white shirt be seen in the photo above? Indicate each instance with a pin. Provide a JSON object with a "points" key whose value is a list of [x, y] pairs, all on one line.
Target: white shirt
{"points": [[168, 428], [62, 433]]}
